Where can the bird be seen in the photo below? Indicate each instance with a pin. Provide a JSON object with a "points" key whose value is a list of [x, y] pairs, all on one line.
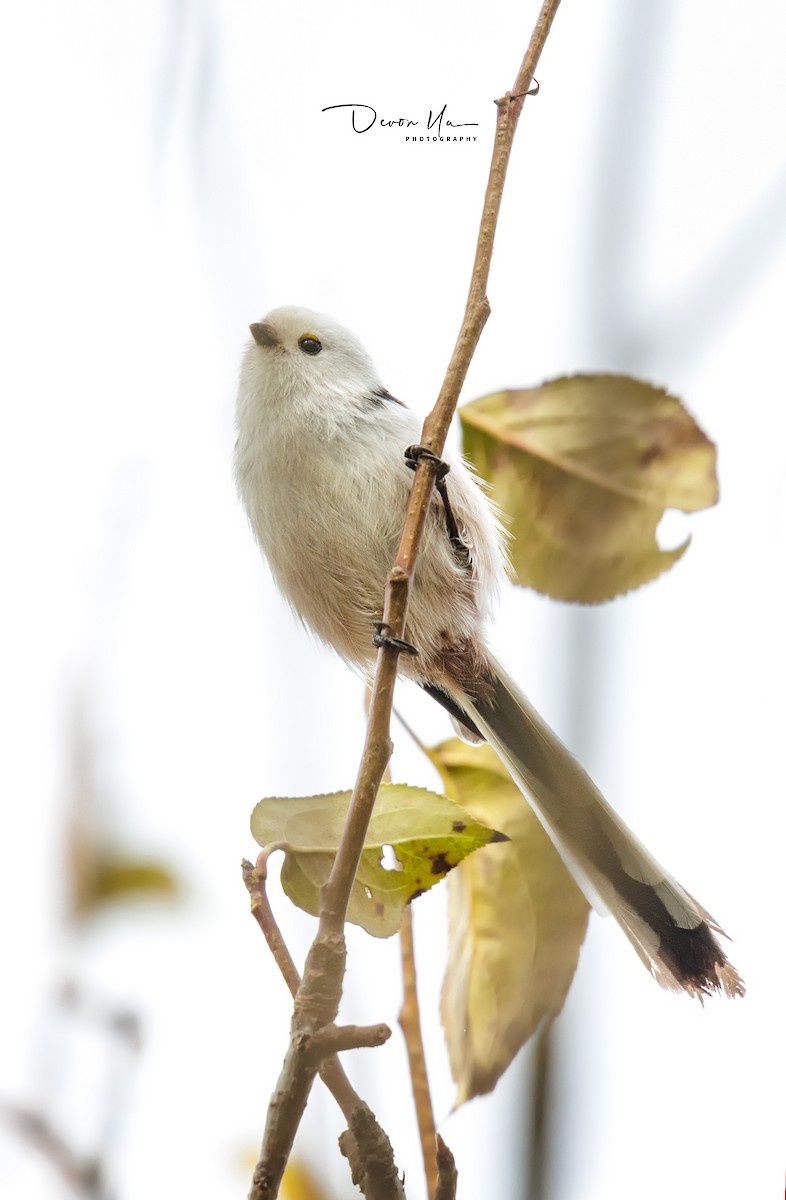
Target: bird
{"points": [[323, 461]]}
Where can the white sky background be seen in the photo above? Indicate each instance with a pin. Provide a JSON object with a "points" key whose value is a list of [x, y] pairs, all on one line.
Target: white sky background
{"points": [[169, 177]]}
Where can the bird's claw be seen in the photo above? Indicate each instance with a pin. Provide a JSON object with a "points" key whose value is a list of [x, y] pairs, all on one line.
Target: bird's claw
{"points": [[413, 454], [381, 638]]}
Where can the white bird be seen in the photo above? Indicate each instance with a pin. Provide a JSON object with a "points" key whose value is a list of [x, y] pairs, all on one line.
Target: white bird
{"points": [[321, 470]]}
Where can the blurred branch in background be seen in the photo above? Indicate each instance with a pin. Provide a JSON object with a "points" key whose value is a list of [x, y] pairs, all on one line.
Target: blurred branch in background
{"points": [[692, 319], [99, 870], [695, 318], [89, 1046], [81, 1027], [618, 332]]}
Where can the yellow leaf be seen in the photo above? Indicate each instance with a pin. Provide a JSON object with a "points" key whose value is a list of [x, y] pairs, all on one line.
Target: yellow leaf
{"points": [[427, 835], [124, 878], [516, 924], [583, 467], [107, 878], [300, 1183]]}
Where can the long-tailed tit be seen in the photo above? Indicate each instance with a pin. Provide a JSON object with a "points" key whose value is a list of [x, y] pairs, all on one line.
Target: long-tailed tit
{"points": [[321, 470]]}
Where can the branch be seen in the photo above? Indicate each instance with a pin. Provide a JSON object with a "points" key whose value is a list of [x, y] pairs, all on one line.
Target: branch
{"points": [[447, 1175], [255, 879], [370, 1156], [378, 747], [83, 1174], [369, 1140], [330, 1039], [409, 1020], [318, 997]]}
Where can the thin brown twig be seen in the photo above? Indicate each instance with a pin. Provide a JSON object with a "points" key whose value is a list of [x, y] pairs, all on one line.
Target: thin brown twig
{"points": [[409, 1020], [447, 1175], [377, 750], [318, 997], [331, 1071], [378, 747], [331, 1039], [255, 879]]}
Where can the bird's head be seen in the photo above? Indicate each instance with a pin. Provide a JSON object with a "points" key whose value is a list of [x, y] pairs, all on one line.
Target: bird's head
{"points": [[298, 354]]}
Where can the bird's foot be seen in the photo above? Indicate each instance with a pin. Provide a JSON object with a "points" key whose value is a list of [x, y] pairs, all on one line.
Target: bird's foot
{"points": [[413, 455], [382, 638]]}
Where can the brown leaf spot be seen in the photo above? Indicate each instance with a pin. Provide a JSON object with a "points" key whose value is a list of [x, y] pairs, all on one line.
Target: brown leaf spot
{"points": [[440, 865], [458, 826]]}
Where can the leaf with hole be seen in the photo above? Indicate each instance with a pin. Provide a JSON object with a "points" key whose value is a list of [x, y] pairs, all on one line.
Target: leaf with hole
{"points": [[583, 468], [427, 835]]}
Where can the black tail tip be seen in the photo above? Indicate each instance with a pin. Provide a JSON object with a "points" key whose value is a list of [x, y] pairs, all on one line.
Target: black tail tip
{"points": [[694, 962]]}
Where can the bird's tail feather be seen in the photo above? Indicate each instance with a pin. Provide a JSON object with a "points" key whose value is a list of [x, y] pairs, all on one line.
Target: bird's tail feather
{"points": [[672, 934]]}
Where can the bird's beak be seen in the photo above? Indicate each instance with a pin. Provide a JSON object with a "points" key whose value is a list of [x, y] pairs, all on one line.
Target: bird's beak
{"points": [[263, 334]]}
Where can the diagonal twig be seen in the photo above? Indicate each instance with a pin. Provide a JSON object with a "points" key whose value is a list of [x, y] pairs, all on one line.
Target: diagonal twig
{"points": [[316, 1004], [409, 1020]]}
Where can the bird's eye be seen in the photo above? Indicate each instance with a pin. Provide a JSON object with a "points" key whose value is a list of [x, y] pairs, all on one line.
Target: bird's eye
{"points": [[309, 344]]}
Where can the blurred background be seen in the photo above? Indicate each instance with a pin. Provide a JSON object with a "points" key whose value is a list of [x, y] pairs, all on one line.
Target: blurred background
{"points": [[169, 177]]}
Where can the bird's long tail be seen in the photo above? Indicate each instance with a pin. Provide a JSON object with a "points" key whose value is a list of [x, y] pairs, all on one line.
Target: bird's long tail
{"points": [[672, 934]]}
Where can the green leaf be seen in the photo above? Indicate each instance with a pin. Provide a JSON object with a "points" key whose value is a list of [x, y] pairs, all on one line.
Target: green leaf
{"points": [[428, 835], [583, 467], [516, 921]]}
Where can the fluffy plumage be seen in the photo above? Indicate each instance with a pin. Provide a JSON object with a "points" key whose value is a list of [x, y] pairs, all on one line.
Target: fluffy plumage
{"points": [[320, 469]]}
